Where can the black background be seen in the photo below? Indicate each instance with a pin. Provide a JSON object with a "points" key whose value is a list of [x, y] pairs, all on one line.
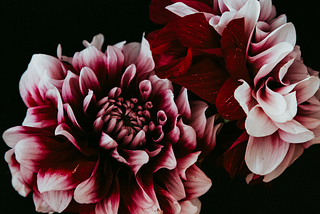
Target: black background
{"points": [[29, 27]]}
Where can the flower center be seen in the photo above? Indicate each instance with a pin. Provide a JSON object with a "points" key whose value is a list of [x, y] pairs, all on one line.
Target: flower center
{"points": [[125, 121]]}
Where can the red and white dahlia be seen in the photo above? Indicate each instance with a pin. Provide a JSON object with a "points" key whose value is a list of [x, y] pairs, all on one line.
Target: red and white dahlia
{"points": [[103, 134], [240, 57]]}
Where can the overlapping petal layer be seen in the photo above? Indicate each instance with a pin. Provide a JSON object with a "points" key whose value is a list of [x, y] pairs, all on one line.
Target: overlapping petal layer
{"points": [[103, 134]]}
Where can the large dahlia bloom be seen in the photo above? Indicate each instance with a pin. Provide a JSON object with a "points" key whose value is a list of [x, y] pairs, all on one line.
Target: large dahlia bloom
{"points": [[103, 134], [240, 57]]}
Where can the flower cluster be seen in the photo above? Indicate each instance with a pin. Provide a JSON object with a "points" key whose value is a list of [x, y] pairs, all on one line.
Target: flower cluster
{"points": [[117, 131], [242, 58]]}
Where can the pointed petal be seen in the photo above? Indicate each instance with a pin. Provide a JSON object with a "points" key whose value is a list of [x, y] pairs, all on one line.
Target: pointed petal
{"points": [[127, 77], [185, 162], [264, 154], [227, 106], [88, 81], [243, 95], [135, 159], [187, 141], [93, 58], [28, 84], [181, 9], [114, 63], [197, 182], [198, 118], [192, 206], [57, 200], [15, 134]]}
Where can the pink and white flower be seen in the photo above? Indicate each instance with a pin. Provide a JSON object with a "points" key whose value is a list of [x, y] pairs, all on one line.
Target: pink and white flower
{"points": [[261, 80], [103, 134]]}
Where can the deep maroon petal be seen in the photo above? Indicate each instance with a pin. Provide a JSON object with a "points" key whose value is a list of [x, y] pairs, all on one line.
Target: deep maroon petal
{"points": [[227, 106], [63, 170], [233, 46], [204, 78], [194, 31]]}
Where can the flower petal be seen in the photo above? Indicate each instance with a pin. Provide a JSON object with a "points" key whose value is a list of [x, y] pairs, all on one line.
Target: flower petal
{"points": [[197, 182], [57, 200], [264, 154], [258, 124]]}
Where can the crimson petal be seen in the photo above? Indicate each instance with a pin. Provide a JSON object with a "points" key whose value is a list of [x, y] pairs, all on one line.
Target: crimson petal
{"points": [[227, 106], [204, 78], [194, 31], [233, 46]]}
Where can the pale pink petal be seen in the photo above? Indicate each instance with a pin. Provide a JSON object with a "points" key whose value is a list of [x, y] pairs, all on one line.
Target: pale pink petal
{"points": [[135, 159], [198, 118], [58, 200], [165, 159], [28, 85], [127, 77], [145, 89], [70, 90], [266, 9], [258, 124], [235, 5], [291, 111], [21, 177], [115, 60], [220, 23], [267, 60], [47, 82], [308, 122], [307, 88], [106, 142], [197, 182], [183, 105], [285, 33], [282, 166], [250, 11], [192, 206], [41, 205], [144, 61], [264, 154], [243, 95], [185, 162], [97, 41], [181, 9], [15, 134], [88, 81], [296, 137], [173, 183], [187, 141]]}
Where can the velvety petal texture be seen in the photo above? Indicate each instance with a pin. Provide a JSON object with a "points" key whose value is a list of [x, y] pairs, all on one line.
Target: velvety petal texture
{"points": [[104, 134], [243, 59]]}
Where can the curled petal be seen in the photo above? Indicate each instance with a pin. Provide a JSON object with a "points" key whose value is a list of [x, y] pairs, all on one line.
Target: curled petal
{"points": [[132, 158], [145, 89], [258, 124], [183, 105], [127, 76], [88, 81], [192, 206], [106, 142]]}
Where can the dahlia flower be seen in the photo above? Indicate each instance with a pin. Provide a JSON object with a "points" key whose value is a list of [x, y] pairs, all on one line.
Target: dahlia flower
{"points": [[243, 59], [103, 134]]}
